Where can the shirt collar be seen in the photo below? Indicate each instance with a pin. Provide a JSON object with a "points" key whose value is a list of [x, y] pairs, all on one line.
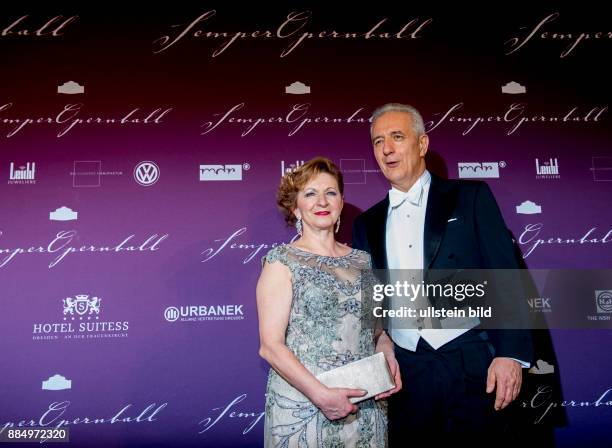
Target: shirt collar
{"points": [[414, 195]]}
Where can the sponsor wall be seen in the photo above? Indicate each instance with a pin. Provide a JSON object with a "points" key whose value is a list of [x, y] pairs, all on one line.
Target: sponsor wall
{"points": [[140, 152]]}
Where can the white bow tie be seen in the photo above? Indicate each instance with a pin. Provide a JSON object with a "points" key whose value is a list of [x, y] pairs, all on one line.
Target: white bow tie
{"points": [[414, 196]]}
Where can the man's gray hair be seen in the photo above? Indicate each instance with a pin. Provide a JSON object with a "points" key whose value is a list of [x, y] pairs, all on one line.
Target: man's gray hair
{"points": [[418, 126]]}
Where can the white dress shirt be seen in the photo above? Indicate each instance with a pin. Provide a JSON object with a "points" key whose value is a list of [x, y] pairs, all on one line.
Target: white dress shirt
{"points": [[404, 243]]}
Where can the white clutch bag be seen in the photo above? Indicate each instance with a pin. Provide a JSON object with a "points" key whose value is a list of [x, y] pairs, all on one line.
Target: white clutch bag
{"points": [[371, 374]]}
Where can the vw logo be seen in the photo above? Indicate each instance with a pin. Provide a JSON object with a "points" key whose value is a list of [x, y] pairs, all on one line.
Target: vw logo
{"points": [[146, 173]]}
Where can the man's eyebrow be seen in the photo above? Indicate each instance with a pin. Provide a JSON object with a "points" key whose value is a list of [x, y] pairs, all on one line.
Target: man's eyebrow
{"points": [[395, 132]]}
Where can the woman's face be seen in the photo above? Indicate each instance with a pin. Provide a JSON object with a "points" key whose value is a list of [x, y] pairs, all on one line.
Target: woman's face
{"points": [[319, 203]]}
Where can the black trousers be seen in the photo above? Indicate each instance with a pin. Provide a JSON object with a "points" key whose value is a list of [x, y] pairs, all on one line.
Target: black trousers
{"points": [[444, 394]]}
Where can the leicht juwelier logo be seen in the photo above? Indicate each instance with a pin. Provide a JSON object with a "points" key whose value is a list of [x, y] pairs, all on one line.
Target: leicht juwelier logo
{"points": [[290, 166], [22, 174], [201, 313], [547, 169], [80, 321]]}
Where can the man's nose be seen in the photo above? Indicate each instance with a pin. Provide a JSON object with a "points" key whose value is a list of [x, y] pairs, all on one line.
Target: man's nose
{"points": [[387, 147]]}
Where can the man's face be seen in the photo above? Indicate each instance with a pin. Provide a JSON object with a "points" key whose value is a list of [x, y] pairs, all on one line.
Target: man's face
{"points": [[398, 151]]}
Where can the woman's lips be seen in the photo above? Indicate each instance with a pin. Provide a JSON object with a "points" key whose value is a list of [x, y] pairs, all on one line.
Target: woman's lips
{"points": [[322, 213]]}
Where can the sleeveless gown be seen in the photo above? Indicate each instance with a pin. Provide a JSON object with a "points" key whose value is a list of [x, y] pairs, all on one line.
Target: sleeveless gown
{"points": [[329, 326]]}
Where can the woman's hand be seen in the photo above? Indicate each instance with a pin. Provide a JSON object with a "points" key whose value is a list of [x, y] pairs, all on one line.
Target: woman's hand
{"points": [[395, 373], [335, 404]]}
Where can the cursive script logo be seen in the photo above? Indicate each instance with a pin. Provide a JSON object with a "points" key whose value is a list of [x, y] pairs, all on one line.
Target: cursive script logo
{"points": [[62, 245], [542, 400], [298, 117], [70, 117], [51, 28], [52, 417], [516, 117], [229, 243], [252, 418], [532, 240], [514, 44], [294, 29]]}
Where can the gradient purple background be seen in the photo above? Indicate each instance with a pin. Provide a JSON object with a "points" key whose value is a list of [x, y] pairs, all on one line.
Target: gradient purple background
{"points": [[199, 368]]}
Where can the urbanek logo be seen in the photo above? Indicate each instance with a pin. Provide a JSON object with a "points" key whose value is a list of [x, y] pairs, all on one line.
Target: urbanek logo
{"points": [[222, 172], [146, 173], [480, 170], [603, 300], [292, 166], [80, 321], [200, 313], [540, 304], [23, 174], [548, 169]]}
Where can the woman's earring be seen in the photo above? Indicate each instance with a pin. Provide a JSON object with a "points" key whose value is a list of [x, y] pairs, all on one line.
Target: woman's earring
{"points": [[338, 224], [298, 226]]}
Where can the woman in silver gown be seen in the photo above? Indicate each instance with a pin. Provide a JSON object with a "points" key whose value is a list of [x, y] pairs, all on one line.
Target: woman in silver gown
{"points": [[312, 319]]}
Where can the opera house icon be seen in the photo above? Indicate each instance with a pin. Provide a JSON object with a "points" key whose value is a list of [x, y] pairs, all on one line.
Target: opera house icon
{"points": [[297, 88], [71, 88]]}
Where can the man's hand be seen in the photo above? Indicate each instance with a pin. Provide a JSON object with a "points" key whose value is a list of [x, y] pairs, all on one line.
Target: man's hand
{"points": [[506, 376]]}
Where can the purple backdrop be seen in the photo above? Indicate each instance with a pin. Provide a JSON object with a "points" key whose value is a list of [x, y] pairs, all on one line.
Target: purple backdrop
{"points": [[127, 304]]}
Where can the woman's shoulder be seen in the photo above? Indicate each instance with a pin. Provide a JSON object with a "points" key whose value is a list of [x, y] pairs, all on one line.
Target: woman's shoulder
{"points": [[363, 256], [361, 253], [277, 253]]}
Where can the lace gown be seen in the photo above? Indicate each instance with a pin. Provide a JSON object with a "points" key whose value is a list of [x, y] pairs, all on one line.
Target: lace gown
{"points": [[329, 326]]}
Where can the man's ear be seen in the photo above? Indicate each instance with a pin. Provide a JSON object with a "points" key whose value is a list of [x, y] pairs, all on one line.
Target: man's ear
{"points": [[423, 145]]}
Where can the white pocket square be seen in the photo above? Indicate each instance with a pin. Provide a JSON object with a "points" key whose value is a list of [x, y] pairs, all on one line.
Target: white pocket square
{"points": [[452, 219]]}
